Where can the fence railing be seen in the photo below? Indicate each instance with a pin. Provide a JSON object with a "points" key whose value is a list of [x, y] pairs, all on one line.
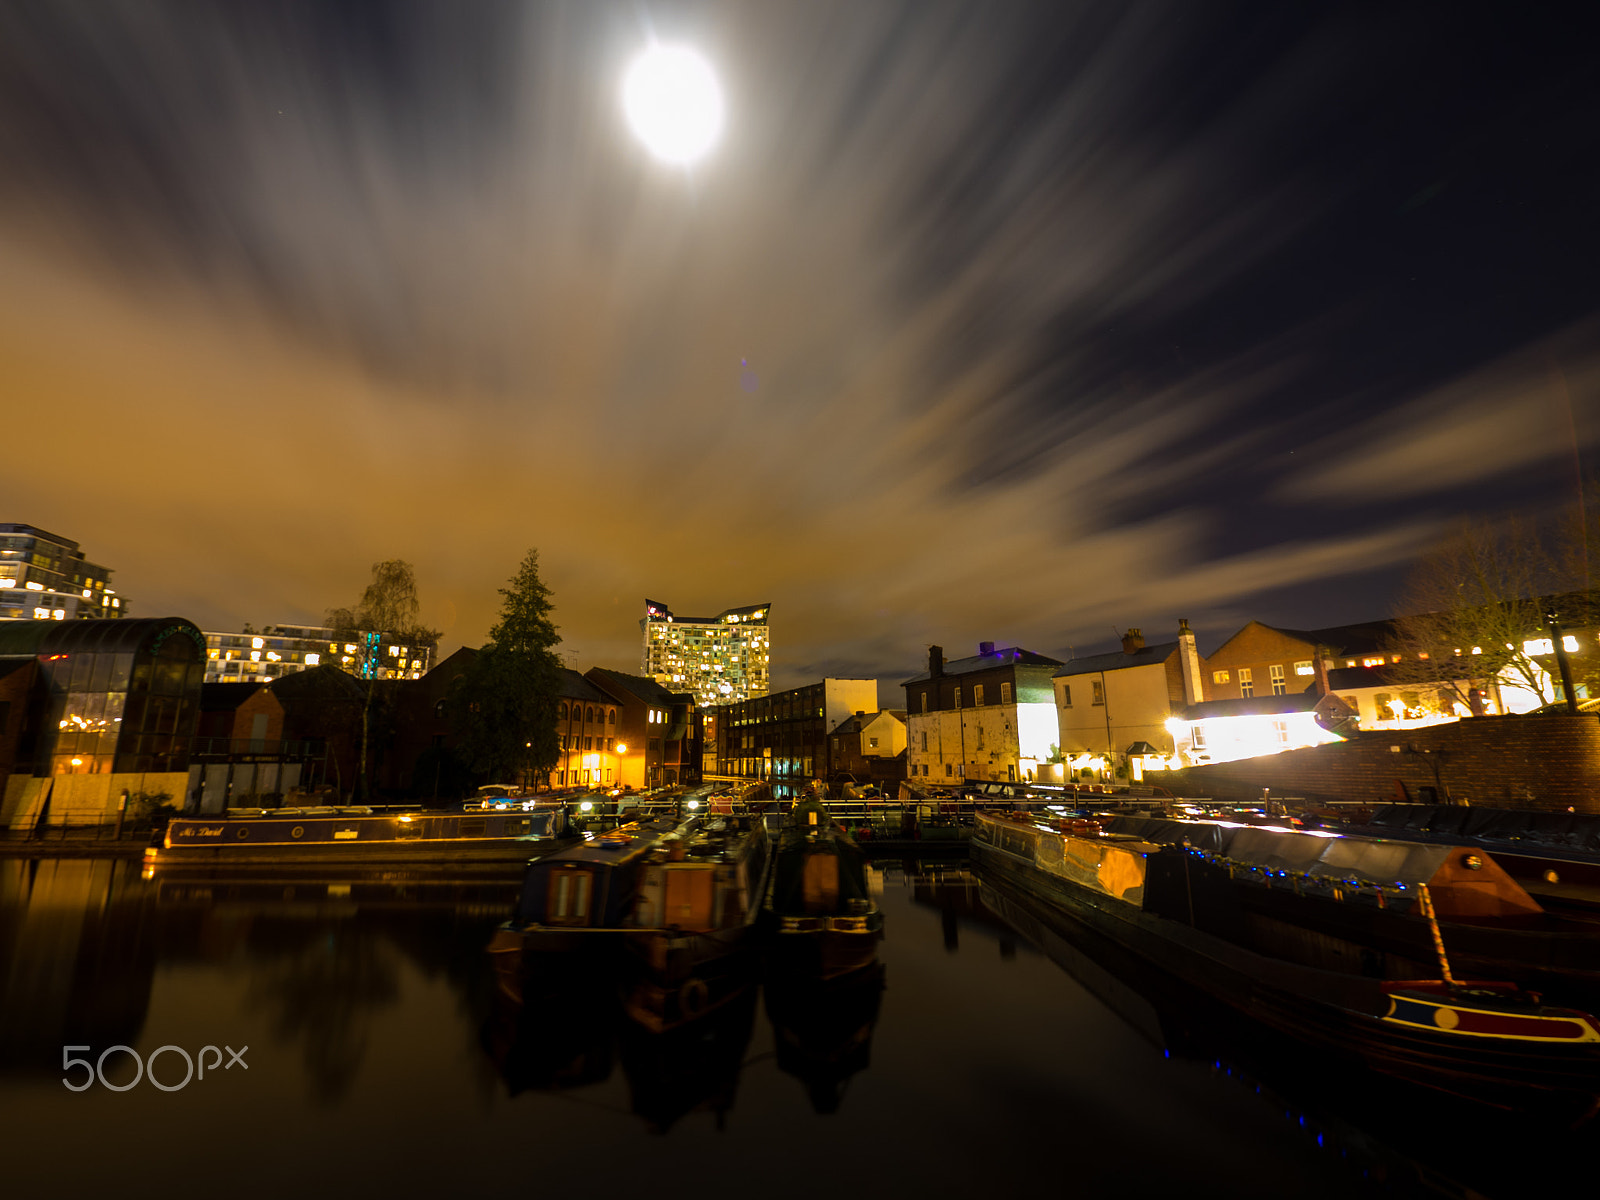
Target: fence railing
{"points": [[304, 748]]}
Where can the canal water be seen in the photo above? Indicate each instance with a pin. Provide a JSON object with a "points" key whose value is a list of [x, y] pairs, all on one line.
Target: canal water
{"points": [[375, 1056]]}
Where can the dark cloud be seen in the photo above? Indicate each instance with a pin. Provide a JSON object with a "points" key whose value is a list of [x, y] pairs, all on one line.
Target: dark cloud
{"points": [[1061, 315]]}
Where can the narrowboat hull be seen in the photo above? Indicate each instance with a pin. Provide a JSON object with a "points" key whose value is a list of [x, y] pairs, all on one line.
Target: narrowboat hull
{"points": [[824, 920], [1347, 1016], [825, 947], [698, 923]]}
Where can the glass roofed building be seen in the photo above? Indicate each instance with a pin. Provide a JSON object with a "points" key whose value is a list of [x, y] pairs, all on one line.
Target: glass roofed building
{"points": [[721, 660], [92, 708]]}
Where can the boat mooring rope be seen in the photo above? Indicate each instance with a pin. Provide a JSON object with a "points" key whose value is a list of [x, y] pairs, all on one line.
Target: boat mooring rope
{"points": [[1433, 928]]}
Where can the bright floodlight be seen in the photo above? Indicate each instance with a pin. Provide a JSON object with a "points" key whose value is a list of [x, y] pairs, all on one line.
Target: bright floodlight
{"points": [[673, 103]]}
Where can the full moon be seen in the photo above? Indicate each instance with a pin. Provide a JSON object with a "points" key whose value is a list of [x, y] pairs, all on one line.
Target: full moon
{"points": [[673, 103]]}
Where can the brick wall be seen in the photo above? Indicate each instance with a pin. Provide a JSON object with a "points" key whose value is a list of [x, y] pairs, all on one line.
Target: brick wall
{"points": [[1257, 647], [1546, 761], [263, 703]]}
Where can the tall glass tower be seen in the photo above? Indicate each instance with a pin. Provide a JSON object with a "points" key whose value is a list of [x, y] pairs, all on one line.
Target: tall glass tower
{"points": [[720, 659]]}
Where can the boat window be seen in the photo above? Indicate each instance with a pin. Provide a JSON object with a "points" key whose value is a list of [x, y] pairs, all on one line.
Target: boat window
{"points": [[568, 899]]}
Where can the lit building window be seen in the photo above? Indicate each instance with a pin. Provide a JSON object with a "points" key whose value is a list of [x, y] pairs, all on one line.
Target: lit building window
{"points": [[1099, 691], [1220, 677], [1304, 668], [1247, 683], [1275, 674]]}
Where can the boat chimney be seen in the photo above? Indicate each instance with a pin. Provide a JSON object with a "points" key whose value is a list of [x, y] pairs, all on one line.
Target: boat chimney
{"points": [[1132, 642], [1189, 660], [935, 661]]}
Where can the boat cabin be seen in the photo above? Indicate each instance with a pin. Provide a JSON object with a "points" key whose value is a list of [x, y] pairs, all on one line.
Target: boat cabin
{"points": [[592, 885]]}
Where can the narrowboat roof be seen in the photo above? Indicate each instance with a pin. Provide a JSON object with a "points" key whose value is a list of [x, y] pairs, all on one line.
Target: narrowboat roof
{"points": [[611, 848]]}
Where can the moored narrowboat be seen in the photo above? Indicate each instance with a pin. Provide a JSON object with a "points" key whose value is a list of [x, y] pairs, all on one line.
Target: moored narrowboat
{"points": [[1491, 1042], [1352, 902], [699, 897], [347, 835], [820, 905]]}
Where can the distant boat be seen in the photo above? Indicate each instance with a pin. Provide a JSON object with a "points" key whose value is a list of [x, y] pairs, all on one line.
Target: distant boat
{"points": [[355, 835], [1488, 1041]]}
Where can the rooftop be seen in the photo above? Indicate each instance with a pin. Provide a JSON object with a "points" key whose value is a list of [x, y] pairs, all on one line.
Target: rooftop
{"points": [[1117, 660], [1005, 656]]}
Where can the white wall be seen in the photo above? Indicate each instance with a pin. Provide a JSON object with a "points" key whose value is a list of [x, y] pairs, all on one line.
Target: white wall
{"points": [[846, 697], [1137, 706]]}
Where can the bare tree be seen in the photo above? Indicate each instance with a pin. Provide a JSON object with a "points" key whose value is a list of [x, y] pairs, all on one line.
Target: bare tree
{"points": [[388, 606], [1473, 605]]}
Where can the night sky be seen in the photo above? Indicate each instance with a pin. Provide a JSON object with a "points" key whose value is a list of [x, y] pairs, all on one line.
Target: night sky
{"points": [[983, 321]]}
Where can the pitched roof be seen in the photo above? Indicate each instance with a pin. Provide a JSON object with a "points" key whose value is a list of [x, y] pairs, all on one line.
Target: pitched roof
{"points": [[319, 682], [1254, 706], [1118, 660], [1364, 637], [572, 686], [1009, 656], [1344, 678], [647, 690]]}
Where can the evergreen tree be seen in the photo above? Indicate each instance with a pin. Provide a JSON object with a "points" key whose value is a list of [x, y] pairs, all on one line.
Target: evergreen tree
{"points": [[388, 606], [504, 704]]}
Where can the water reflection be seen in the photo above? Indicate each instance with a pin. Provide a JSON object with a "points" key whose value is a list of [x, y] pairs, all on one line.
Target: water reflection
{"points": [[1408, 1137], [823, 1029], [77, 956], [566, 1022], [321, 989], [371, 1009]]}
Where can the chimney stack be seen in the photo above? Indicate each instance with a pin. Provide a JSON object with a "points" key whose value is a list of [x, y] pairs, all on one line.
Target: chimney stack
{"points": [[1189, 660], [1321, 665], [985, 648], [935, 661], [1132, 642]]}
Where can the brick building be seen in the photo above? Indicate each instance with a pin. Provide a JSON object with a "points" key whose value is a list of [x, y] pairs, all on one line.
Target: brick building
{"points": [[785, 736], [660, 729]]}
